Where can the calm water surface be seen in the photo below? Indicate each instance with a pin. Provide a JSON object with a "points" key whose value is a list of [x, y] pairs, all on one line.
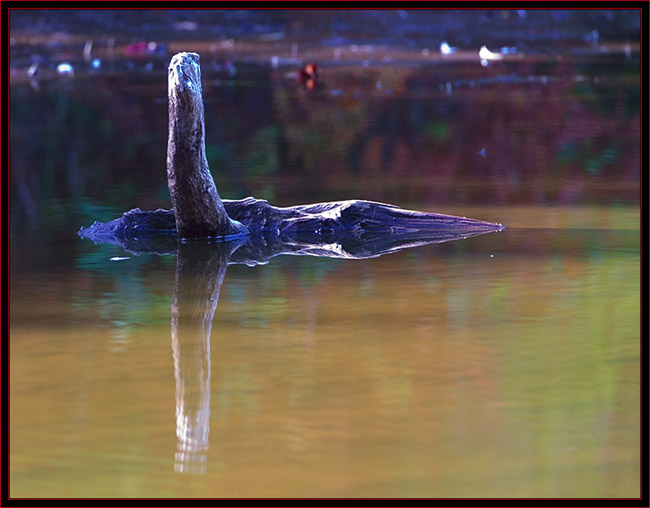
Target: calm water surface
{"points": [[502, 365]]}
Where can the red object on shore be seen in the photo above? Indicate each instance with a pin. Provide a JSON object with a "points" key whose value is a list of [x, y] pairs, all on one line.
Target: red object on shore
{"points": [[309, 75]]}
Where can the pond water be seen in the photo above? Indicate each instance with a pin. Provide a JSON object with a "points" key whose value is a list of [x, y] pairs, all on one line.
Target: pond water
{"points": [[504, 365]]}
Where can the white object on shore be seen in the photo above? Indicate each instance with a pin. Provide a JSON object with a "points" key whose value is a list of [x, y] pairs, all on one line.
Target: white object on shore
{"points": [[446, 49], [486, 54], [65, 69]]}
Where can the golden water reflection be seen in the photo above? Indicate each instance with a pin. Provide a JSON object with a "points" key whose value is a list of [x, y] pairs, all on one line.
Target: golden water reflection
{"points": [[499, 366]]}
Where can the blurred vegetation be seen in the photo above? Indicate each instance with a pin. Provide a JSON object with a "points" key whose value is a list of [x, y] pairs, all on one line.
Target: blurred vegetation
{"points": [[407, 27]]}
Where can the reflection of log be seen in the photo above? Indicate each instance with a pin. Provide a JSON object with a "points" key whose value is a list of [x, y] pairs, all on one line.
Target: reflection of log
{"points": [[198, 207], [200, 269]]}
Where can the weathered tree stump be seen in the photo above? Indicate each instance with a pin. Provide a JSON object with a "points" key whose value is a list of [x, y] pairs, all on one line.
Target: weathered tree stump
{"points": [[198, 209]]}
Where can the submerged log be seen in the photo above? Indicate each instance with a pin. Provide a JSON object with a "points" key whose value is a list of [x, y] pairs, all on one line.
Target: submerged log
{"points": [[353, 228], [342, 229]]}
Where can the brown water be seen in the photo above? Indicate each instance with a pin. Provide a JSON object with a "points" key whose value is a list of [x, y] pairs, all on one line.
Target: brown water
{"points": [[505, 365]]}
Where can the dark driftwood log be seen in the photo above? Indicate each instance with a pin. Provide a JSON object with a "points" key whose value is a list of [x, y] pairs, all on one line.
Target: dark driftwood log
{"points": [[353, 228], [346, 229], [197, 205]]}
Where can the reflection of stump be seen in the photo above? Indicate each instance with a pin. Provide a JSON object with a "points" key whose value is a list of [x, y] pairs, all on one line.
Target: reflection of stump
{"points": [[200, 270]]}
